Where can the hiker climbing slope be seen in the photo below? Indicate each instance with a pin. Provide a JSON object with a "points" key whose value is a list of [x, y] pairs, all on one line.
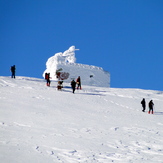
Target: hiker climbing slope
{"points": [[78, 82], [151, 104], [73, 85], [143, 104]]}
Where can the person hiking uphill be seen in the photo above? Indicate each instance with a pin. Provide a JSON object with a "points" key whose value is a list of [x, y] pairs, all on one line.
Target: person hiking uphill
{"points": [[73, 85], [143, 104], [13, 69], [151, 104], [78, 81]]}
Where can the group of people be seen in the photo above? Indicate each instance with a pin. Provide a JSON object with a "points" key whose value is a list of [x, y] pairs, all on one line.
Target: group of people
{"points": [[47, 78], [74, 84], [150, 104], [78, 83]]}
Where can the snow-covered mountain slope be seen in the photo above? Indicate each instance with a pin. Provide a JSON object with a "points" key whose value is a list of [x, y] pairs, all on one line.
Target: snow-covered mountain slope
{"points": [[40, 124]]}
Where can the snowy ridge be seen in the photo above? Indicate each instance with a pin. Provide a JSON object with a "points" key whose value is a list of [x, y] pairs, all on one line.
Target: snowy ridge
{"points": [[39, 124]]}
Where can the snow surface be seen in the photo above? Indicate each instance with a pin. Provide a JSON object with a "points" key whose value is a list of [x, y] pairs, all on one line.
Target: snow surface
{"points": [[67, 62], [39, 124]]}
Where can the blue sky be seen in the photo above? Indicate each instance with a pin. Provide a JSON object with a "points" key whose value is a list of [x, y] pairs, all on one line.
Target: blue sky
{"points": [[124, 37]]}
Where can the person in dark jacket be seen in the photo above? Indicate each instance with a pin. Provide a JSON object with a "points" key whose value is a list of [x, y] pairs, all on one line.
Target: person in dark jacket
{"points": [[73, 85], [13, 69], [78, 81], [151, 104], [47, 77], [143, 104]]}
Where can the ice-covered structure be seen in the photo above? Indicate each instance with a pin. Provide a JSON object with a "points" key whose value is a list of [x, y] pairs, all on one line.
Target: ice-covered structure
{"points": [[63, 66]]}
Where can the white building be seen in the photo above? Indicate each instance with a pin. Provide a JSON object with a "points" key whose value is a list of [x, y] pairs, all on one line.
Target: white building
{"points": [[65, 64]]}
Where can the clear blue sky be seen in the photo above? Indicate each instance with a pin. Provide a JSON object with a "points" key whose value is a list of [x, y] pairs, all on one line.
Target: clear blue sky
{"points": [[124, 37]]}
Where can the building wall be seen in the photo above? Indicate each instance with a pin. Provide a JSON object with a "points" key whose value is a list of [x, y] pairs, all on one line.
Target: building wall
{"points": [[90, 75]]}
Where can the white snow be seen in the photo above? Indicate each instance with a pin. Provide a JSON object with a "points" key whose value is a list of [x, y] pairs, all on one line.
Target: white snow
{"points": [[39, 124], [90, 75]]}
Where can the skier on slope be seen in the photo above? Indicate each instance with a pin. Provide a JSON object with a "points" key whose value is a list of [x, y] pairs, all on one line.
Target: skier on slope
{"points": [[13, 69], [78, 81], [143, 104], [151, 104], [73, 85]]}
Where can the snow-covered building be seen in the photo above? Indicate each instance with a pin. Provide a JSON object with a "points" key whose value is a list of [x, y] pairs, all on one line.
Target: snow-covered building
{"points": [[63, 66]]}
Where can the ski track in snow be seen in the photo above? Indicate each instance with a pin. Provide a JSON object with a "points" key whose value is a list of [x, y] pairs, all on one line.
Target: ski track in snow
{"points": [[102, 133]]}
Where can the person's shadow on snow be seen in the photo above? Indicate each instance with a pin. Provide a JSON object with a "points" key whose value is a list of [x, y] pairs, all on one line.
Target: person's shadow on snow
{"points": [[158, 113]]}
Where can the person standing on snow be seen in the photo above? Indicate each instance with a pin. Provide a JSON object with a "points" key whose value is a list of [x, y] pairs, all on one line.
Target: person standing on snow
{"points": [[13, 69], [47, 77], [143, 104], [73, 85], [78, 81], [151, 104]]}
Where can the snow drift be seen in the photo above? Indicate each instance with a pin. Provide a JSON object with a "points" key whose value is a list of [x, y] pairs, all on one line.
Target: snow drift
{"points": [[65, 64], [39, 124]]}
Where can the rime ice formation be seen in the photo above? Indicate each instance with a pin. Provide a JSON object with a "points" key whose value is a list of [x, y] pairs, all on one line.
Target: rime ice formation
{"points": [[65, 64]]}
